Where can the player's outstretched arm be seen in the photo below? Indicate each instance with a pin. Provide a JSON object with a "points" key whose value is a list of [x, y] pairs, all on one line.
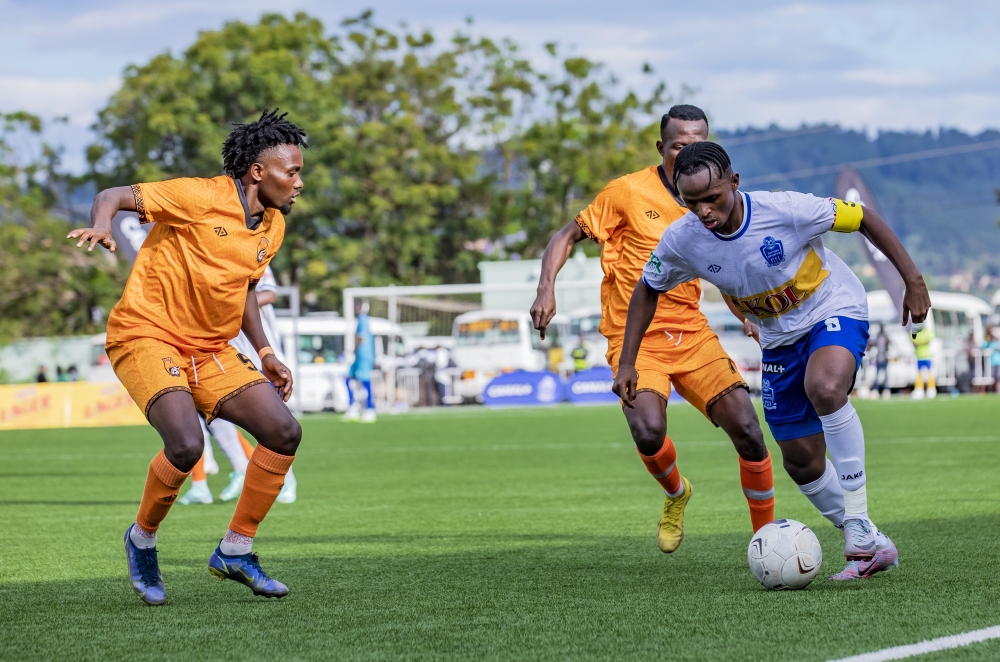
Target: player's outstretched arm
{"points": [[553, 259], [641, 309], [916, 299], [273, 369], [108, 202]]}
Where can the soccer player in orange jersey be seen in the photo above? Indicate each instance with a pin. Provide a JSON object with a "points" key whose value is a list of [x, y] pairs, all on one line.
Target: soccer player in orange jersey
{"points": [[679, 349], [191, 290]]}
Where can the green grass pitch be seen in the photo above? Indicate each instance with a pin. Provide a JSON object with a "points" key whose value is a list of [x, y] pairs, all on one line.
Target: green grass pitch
{"points": [[517, 534]]}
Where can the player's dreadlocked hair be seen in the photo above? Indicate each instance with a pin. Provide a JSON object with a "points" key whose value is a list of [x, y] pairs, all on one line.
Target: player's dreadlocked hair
{"points": [[700, 156], [247, 141], [682, 111]]}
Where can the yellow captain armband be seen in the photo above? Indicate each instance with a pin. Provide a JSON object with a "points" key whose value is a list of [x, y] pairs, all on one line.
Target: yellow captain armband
{"points": [[847, 216]]}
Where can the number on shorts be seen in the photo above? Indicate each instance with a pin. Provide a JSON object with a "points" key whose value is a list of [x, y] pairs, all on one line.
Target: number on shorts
{"points": [[833, 324]]}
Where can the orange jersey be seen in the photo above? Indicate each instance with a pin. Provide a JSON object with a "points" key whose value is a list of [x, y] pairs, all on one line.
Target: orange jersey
{"points": [[189, 282], [629, 217]]}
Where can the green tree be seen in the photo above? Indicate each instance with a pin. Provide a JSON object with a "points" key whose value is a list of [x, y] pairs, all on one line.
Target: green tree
{"points": [[47, 286]]}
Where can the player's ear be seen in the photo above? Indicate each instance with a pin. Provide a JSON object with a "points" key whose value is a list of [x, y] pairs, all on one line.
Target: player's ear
{"points": [[660, 147], [735, 181], [257, 172]]}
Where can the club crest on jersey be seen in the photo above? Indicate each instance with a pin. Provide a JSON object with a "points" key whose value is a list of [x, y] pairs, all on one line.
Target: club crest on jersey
{"points": [[654, 263], [172, 368], [773, 251], [262, 249]]}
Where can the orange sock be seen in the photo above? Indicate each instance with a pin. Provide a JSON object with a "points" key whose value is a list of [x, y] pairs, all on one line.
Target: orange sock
{"points": [[247, 448], [162, 483], [198, 473], [758, 486], [663, 466], [264, 479]]}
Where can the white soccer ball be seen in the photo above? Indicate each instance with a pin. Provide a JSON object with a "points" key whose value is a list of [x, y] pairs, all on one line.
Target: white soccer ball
{"points": [[784, 554]]}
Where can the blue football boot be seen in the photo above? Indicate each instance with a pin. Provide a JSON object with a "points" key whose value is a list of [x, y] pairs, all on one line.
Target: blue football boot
{"points": [[247, 571], [144, 571]]}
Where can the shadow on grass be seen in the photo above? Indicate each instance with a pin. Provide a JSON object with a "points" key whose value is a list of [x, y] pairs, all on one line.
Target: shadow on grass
{"points": [[561, 597]]}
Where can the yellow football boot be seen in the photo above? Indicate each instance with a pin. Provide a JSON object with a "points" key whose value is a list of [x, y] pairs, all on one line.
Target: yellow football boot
{"points": [[670, 530]]}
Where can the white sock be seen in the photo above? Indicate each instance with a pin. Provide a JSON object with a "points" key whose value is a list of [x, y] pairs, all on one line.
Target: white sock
{"points": [[856, 503], [142, 538], [826, 494], [845, 440], [680, 491], [225, 433], [235, 544]]}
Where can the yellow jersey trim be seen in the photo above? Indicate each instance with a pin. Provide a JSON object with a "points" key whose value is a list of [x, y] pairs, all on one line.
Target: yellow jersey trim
{"points": [[847, 216]]}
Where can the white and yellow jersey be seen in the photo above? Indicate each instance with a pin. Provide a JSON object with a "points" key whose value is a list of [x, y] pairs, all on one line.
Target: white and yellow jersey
{"points": [[775, 268]]}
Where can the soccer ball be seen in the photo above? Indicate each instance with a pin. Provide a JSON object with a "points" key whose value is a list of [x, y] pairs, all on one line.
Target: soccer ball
{"points": [[784, 554]]}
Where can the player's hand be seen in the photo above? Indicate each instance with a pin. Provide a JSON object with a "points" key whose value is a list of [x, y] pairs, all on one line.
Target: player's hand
{"points": [[626, 381], [279, 374], [543, 309], [751, 330], [916, 302], [94, 236]]}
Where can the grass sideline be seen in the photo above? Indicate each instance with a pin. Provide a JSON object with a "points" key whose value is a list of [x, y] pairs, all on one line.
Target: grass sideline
{"points": [[523, 533]]}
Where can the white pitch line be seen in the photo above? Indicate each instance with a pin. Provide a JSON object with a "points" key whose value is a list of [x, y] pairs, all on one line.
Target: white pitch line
{"points": [[939, 644]]}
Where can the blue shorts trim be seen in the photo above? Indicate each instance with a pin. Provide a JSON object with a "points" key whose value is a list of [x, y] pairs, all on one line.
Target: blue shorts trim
{"points": [[923, 363], [787, 408]]}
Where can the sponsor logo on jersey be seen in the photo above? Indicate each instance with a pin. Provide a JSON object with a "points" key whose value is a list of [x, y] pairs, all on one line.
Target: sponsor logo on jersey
{"points": [[172, 368], [261, 249], [221, 231], [788, 295], [714, 268], [772, 368], [652, 215], [654, 263], [773, 251]]}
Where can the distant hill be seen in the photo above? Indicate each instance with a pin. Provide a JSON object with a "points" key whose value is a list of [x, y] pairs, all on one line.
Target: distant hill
{"points": [[945, 209]]}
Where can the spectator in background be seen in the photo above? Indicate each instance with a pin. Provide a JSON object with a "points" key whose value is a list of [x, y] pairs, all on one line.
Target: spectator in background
{"points": [[71, 374], [925, 370], [879, 348], [60, 375], [360, 372], [990, 341], [40, 377], [579, 356]]}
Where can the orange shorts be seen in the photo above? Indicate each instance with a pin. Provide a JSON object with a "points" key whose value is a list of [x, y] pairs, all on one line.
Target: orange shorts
{"points": [[148, 368], [693, 361]]}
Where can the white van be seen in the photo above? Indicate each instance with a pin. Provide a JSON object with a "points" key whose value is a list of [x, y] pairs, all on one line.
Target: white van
{"points": [[490, 342], [953, 317], [321, 368]]}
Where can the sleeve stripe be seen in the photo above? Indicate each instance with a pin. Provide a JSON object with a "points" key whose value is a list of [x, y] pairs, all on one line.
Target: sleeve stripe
{"points": [[140, 207], [586, 229], [650, 286]]}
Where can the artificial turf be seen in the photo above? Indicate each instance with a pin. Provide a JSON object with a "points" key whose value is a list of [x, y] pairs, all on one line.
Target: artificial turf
{"points": [[515, 534]]}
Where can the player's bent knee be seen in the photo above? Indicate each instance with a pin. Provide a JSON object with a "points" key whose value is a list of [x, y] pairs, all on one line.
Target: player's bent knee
{"points": [[285, 436], [648, 438], [827, 396], [184, 451]]}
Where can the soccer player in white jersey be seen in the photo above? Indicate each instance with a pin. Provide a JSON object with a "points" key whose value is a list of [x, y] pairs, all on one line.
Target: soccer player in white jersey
{"points": [[765, 253], [267, 294]]}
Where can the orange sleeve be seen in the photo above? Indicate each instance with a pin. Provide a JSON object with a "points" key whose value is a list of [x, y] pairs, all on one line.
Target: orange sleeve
{"points": [[606, 212], [174, 201]]}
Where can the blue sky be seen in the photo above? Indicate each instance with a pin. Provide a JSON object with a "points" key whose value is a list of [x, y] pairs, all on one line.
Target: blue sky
{"points": [[873, 65]]}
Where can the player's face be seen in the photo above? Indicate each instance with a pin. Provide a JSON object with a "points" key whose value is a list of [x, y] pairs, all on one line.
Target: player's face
{"points": [[279, 171], [711, 198], [677, 135]]}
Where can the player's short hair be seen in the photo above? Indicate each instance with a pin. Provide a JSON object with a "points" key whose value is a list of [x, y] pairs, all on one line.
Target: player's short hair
{"points": [[682, 111], [246, 141], [701, 156]]}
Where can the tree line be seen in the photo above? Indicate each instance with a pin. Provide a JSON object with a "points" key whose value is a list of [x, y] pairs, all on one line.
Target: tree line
{"points": [[425, 156]]}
